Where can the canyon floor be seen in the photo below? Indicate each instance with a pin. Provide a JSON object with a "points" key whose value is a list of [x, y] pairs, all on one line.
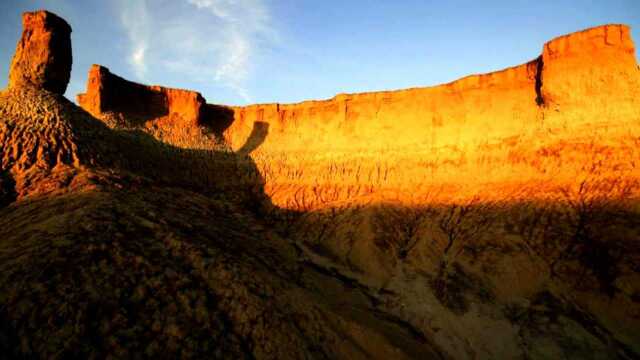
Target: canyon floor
{"points": [[497, 217]]}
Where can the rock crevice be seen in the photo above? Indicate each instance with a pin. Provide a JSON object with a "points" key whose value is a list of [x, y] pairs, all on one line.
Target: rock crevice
{"points": [[539, 69]]}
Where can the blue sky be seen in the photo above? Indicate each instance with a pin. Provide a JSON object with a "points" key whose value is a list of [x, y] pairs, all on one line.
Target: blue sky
{"points": [[256, 51]]}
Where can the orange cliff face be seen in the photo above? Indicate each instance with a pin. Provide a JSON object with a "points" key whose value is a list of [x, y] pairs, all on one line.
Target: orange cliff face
{"points": [[572, 112], [454, 113], [582, 69], [569, 114], [589, 67]]}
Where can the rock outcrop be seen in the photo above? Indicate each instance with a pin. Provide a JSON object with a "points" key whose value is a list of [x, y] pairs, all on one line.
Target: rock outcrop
{"points": [[179, 117], [107, 92], [43, 55], [596, 63]]}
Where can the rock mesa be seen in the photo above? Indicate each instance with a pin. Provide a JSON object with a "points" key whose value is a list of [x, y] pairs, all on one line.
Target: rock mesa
{"points": [[137, 103]]}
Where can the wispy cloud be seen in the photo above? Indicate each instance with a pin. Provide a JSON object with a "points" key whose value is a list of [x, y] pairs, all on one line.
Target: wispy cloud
{"points": [[134, 16], [208, 41]]}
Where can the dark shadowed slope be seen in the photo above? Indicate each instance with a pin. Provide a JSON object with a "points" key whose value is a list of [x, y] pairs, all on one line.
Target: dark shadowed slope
{"points": [[115, 244]]}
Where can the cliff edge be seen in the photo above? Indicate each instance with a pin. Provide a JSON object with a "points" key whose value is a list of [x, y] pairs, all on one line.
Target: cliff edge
{"points": [[576, 71]]}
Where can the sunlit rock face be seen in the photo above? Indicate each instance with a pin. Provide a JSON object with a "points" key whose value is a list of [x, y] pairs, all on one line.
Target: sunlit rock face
{"points": [[43, 55], [571, 110], [579, 69], [460, 111], [589, 67], [575, 109]]}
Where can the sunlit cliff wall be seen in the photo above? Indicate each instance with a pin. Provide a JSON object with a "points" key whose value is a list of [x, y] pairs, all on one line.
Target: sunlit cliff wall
{"points": [[460, 112], [584, 69], [572, 112], [549, 120]]}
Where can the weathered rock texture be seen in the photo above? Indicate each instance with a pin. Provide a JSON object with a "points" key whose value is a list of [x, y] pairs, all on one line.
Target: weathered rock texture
{"points": [[43, 55]]}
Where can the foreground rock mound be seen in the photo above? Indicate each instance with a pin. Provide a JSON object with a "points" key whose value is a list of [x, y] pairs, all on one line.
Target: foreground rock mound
{"points": [[43, 55], [114, 245], [147, 271]]}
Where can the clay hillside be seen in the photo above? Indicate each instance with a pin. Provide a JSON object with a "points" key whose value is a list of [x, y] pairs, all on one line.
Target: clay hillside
{"points": [[494, 217]]}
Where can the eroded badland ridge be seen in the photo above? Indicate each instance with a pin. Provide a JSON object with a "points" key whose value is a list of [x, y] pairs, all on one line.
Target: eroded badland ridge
{"points": [[496, 216], [518, 125]]}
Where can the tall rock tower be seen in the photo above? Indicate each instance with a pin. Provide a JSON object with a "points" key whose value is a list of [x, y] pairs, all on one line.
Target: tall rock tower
{"points": [[43, 54]]}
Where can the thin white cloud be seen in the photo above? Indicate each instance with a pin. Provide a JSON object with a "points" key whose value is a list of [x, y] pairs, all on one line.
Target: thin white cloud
{"points": [[134, 16], [209, 41], [138, 60], [234, 70]]}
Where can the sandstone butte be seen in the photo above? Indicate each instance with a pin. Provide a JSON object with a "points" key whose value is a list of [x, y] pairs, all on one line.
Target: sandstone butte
{"points": [[574, 109]]}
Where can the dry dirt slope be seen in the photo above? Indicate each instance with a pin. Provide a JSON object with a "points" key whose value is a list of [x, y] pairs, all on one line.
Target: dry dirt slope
{"points": [[97, 258], [115, 245]]}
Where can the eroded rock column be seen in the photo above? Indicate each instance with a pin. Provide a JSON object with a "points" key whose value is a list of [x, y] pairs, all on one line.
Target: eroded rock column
{"points": [[43, 55]]}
